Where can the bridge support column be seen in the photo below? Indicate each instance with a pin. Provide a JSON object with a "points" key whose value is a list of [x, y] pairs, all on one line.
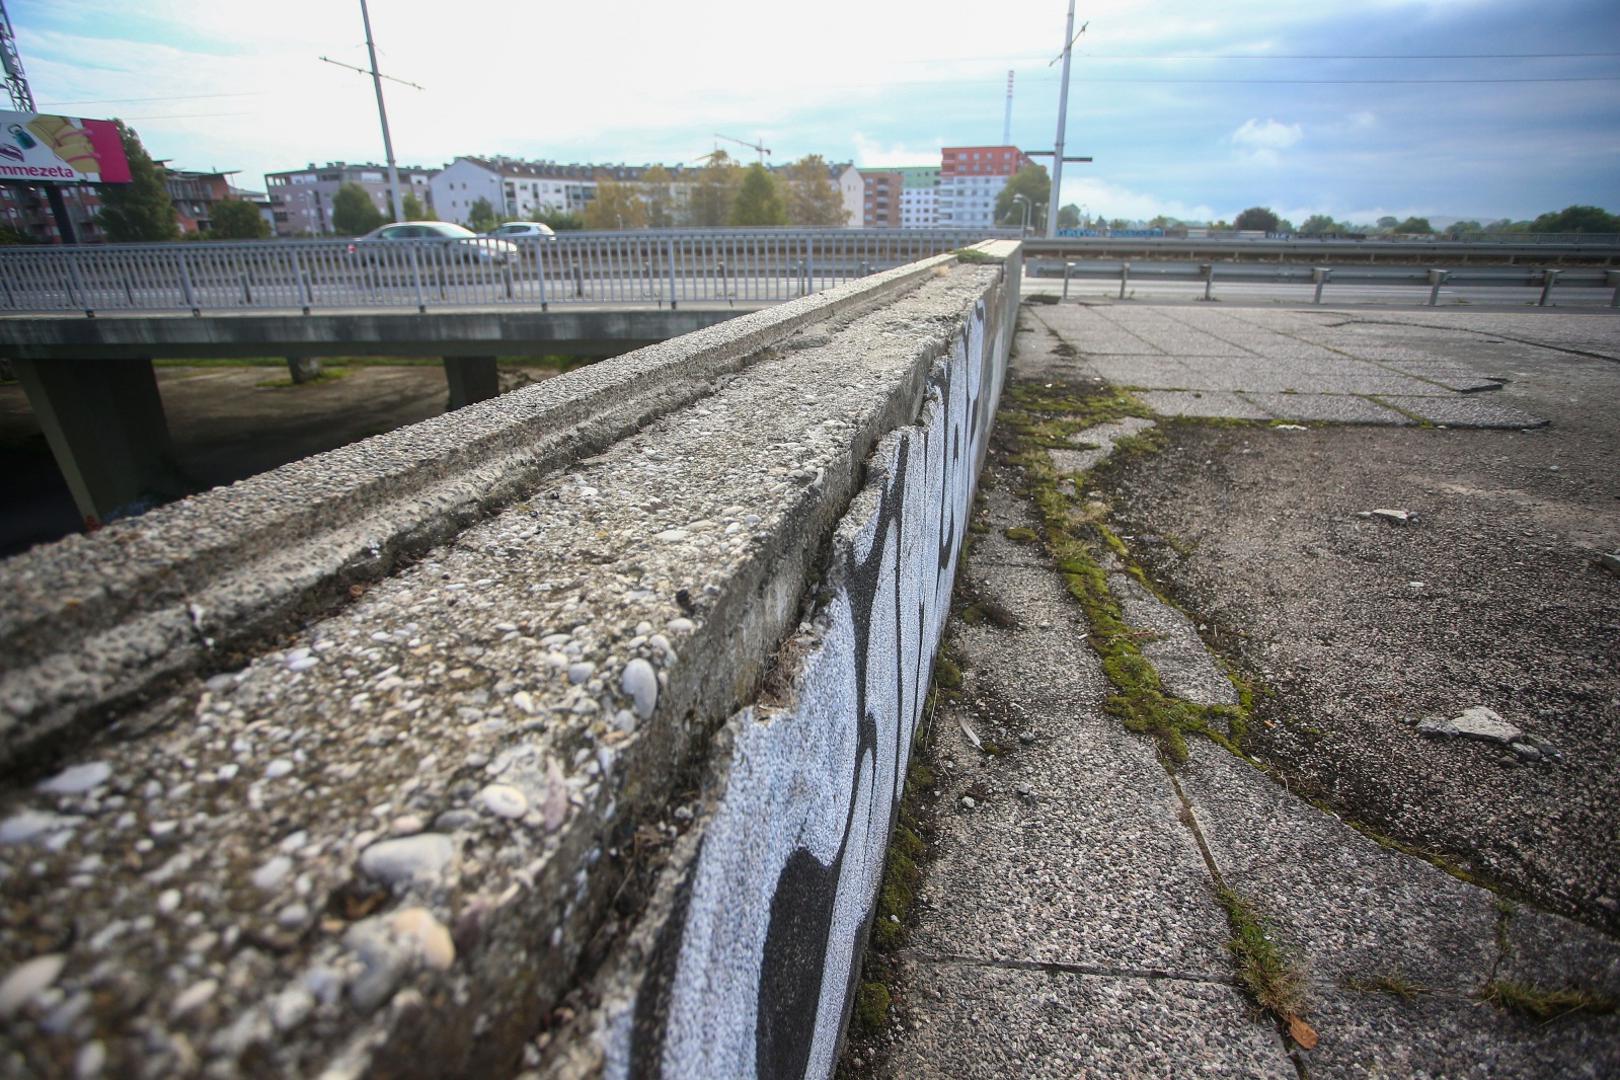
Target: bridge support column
{"points": [[104, 422], [471, 378], [304, 369]]}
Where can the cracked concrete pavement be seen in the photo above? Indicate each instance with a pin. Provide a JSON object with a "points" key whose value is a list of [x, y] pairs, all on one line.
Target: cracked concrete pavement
{"points": [[1067, 924]]}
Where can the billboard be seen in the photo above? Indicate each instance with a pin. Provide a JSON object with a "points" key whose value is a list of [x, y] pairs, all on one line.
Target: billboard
{"points": [[40, 147]]}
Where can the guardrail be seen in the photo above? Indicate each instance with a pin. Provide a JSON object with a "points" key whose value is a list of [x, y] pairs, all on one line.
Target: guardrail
{"points": [[1592, 251], [1545, 278], [671, 267]]}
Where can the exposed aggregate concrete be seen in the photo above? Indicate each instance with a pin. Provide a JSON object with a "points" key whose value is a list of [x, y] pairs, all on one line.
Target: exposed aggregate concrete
{"points": [[411, 809]]}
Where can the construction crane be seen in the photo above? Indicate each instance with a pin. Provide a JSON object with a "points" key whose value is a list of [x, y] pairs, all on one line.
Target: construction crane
{"points": [[22, 99], [759, 147]]}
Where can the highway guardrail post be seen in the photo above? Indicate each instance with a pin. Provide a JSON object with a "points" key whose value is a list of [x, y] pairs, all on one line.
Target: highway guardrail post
{"points": [[1124, 278], [1208, 270], [1068, 268], [1549, 278], [1612, 278], [1437, 278], [1320, 276]]}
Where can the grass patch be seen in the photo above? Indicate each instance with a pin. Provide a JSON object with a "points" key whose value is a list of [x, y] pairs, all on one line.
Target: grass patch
{"points": [[1039, 417], [1023, 534], [871, 1013], [972, 255], [1542, 1004], [1275, 983], [1395, 984]]}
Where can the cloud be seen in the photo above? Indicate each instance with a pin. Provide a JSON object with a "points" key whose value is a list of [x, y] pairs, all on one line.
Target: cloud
{"points": [[870, 153], [1099, 197], [1263, 141]]}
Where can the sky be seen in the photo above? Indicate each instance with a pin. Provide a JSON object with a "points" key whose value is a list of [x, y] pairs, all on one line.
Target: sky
{"points": [[1445, 108]]}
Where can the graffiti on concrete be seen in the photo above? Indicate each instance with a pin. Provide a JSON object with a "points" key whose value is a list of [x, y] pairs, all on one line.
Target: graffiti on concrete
{"points": [[756, 971]]}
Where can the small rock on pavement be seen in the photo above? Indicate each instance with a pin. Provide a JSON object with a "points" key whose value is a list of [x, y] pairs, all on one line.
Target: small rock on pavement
{"points": [[27, 979], [1611, 561], [504, 800], [1474, 723], [407, 857], [1395, 517], [641, 683], [77, 779]]}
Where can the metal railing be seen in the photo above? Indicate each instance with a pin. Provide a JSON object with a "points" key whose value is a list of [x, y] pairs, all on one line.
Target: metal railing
{"points": [[1546, 279], [719, 266]]}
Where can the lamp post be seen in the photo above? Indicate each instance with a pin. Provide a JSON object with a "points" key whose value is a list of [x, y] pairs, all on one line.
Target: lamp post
{"points": [[1023, 230]]}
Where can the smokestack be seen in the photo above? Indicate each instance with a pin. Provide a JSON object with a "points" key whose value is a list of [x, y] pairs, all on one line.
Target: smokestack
{"points": [[1006, 123]]}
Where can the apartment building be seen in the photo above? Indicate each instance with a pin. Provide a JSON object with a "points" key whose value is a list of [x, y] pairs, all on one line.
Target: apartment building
{"points": [[970, 178], [194, 194], [919, 197], [515, 188], [882, 201], [301, 199]]}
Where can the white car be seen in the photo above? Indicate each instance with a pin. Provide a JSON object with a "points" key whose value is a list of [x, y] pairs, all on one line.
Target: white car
{"points": [[512, 230]]}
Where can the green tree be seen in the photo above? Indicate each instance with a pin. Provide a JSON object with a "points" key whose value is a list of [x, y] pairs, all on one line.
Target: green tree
{"points": [[414, 210], [658, 194], [1464, 230], [616, 206], [1577, 219], [714, 192], [353, 212], [236, 219], [481, 218], [558, 220], [1069, 217], [1416, 226], [813, 200], [1387, 222], [759, 199], [1033, 183], [10, 235], [1257, 217], [1318, 225], [141, 210]]}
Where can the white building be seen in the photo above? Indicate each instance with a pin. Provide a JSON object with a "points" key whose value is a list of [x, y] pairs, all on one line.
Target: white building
{"points": [[852, 189], [970, 179], [919, 197], [515, 189]]}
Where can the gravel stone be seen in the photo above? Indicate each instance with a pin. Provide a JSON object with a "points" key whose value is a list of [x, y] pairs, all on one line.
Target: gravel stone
{"points": [[27, 980], [1477, 722], [76, 779], [641, 683], [504, 801], [407, 858]]}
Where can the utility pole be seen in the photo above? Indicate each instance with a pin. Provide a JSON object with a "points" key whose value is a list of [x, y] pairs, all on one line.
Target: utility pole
{"points": [[1063, 116], [1006, 120], [388, 143], [22, 99]]}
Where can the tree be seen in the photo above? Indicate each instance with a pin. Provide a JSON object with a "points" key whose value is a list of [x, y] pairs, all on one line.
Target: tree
{"points": [[659, 197], [11, 235], [1416, 226], [813, 200], [1464, 230], [1257, 217], [1318, 225], [141, 210], [1577, 219], [1387, 222], [414, 210], [481, 218], [1069, 217], [236, 219], [353, 212], [1032, 183], [616, 206], [714, 192], [759, 199]]}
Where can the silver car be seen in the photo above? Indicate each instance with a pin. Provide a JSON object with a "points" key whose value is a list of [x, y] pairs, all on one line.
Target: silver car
{"points": [[515, 229], [468, 246]]}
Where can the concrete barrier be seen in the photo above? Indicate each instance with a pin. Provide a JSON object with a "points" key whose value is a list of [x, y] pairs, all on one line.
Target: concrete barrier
{"points": [[599, 692]]}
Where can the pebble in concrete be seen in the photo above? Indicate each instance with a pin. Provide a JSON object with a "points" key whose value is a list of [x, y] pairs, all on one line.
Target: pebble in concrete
{"points": [[641, 683], [504, 800], [431, 939], [77, 779], [27, 980], [407, 858], [1477, 722]]}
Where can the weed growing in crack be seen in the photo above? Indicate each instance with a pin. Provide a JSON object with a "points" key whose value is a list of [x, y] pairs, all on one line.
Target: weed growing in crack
{"points": [[1543, 1004], [1274, 982]]}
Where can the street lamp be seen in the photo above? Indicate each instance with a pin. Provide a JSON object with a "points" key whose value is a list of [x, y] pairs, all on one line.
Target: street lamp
{"points": [[1023, 230]]}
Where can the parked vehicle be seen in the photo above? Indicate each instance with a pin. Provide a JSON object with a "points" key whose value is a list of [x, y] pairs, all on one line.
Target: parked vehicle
{"points": [[466, 245], [513, 229]]}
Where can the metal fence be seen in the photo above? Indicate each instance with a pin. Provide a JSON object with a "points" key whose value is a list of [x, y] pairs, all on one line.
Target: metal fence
{"points": [[720, 266]]}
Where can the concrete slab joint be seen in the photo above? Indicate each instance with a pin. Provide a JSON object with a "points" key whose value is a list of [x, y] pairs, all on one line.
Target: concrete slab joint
{"points": [[386, 841]]}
